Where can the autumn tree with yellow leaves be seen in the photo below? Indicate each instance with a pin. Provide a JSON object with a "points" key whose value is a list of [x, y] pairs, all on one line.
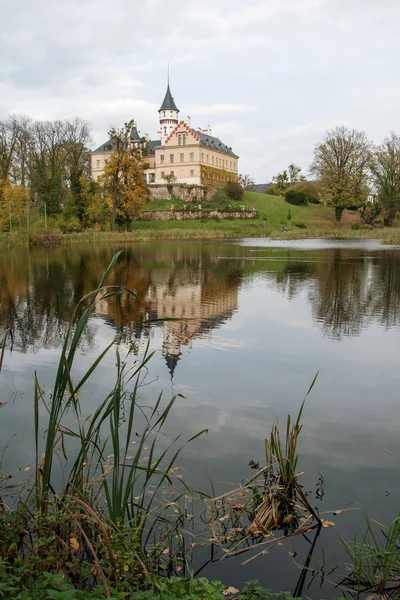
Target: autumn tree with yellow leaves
{"points": [[123, 178]]}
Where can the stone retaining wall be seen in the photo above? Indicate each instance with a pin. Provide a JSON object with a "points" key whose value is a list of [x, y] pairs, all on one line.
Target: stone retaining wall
{"points": [[181, 215], [187, 193]]}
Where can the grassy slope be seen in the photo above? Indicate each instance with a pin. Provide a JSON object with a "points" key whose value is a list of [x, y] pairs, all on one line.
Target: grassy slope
{"points": [[272, 210]]}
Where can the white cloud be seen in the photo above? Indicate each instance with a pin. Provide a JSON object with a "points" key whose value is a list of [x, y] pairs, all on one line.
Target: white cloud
{"points": [[275, 75], [218, 109]]}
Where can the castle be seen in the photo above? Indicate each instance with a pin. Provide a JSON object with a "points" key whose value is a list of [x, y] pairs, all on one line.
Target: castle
{"points": [[191, 156]]}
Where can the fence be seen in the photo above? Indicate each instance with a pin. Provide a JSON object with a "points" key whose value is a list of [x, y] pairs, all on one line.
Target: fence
{"points": [[17, 216]]}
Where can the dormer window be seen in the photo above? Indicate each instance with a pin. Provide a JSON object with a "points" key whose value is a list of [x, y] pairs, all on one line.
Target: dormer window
{"points": [[184, 139], [179, 140]]}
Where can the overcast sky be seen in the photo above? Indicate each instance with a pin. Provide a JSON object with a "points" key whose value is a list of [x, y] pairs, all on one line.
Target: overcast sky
{"points": [[269, 76]]}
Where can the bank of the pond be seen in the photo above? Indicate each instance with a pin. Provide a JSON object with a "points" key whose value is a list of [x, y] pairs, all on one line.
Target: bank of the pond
{"points": [[310, 221], [192, 230]]}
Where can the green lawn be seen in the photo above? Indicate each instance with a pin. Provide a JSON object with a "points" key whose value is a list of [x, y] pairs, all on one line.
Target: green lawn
{"points": [[319, 221], [272, 211]]}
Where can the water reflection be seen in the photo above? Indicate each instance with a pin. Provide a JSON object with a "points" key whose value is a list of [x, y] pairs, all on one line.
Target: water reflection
{"points": [[196, 285]]}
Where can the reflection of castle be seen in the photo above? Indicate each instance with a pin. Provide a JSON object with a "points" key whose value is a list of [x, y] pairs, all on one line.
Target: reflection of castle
{"points": [[200, 312]]}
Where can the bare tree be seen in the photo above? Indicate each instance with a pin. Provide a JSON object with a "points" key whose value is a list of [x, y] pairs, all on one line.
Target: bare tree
{"points": [[8, 140], [246, 182]]}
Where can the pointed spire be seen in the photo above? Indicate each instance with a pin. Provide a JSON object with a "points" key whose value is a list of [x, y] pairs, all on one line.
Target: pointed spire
{"points": [[168, 102], [172, 361]]}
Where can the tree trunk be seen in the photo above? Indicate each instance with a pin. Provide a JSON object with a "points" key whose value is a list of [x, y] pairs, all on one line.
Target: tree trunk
{"points": [[338, 215], [389, 217]]}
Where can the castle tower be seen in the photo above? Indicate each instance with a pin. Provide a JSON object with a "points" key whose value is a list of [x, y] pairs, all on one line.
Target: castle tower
{"points": [[168, 115]]}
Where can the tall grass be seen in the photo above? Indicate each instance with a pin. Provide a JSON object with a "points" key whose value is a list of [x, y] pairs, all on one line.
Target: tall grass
{"points": [[284, 457], [119, 499], [374, 560]]}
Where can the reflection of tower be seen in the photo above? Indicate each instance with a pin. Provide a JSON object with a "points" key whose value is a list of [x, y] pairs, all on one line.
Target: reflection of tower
{"points": [[168, 115], [194, 306], [171, 348]]}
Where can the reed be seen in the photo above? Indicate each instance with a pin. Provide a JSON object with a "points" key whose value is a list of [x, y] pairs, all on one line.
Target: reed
{"points": [[282, 458], [120, 500], [374, 565]]}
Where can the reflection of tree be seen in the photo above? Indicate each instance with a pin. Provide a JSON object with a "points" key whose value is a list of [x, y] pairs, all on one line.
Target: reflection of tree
{"points": [[339, 295], [353, 289], [348, 289], [40, 289], [384, 295]]}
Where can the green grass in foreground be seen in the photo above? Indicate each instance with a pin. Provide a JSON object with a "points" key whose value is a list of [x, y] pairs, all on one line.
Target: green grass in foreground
{"points": [[319, 221]]}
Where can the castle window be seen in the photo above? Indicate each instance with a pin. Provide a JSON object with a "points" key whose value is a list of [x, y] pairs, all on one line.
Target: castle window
{"points": [[171, 173], [184, 139], [192, 173], [208, 158], [164, 113], [162, 158], [165, 130], [172, 114], [171, 158], [182, 157], [162, 174], [202, 157], [179, 139], [191, 156], [212, 160], [98, 163]]}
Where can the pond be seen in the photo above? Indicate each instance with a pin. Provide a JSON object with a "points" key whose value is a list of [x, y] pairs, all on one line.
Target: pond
{"points": [[252, 322]]}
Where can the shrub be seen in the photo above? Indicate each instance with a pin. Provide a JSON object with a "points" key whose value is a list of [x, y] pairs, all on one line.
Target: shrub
{"points": [[234, 190], [296, 198], [355, 226], [221, 197], [68, 224], [310, 189], [300, 225], [367, 227], [273, 190]]}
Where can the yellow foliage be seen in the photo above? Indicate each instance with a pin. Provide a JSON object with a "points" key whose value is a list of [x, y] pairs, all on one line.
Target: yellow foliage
{"points": [[15, 193]]}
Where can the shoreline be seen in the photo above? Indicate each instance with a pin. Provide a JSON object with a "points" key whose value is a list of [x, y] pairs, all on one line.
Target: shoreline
{"points": [[20, 240]]}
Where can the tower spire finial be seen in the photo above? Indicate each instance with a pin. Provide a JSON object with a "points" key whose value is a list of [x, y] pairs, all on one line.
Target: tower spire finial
{"points": [[168, 75]]}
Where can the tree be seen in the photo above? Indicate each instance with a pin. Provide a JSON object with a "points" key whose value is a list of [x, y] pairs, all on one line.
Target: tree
{"points": [[246, 182], [341, 163], [386, 173], [77, 162], [281, 180], [8, 140], [47, 159], [294, 174], [123, 178]]}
